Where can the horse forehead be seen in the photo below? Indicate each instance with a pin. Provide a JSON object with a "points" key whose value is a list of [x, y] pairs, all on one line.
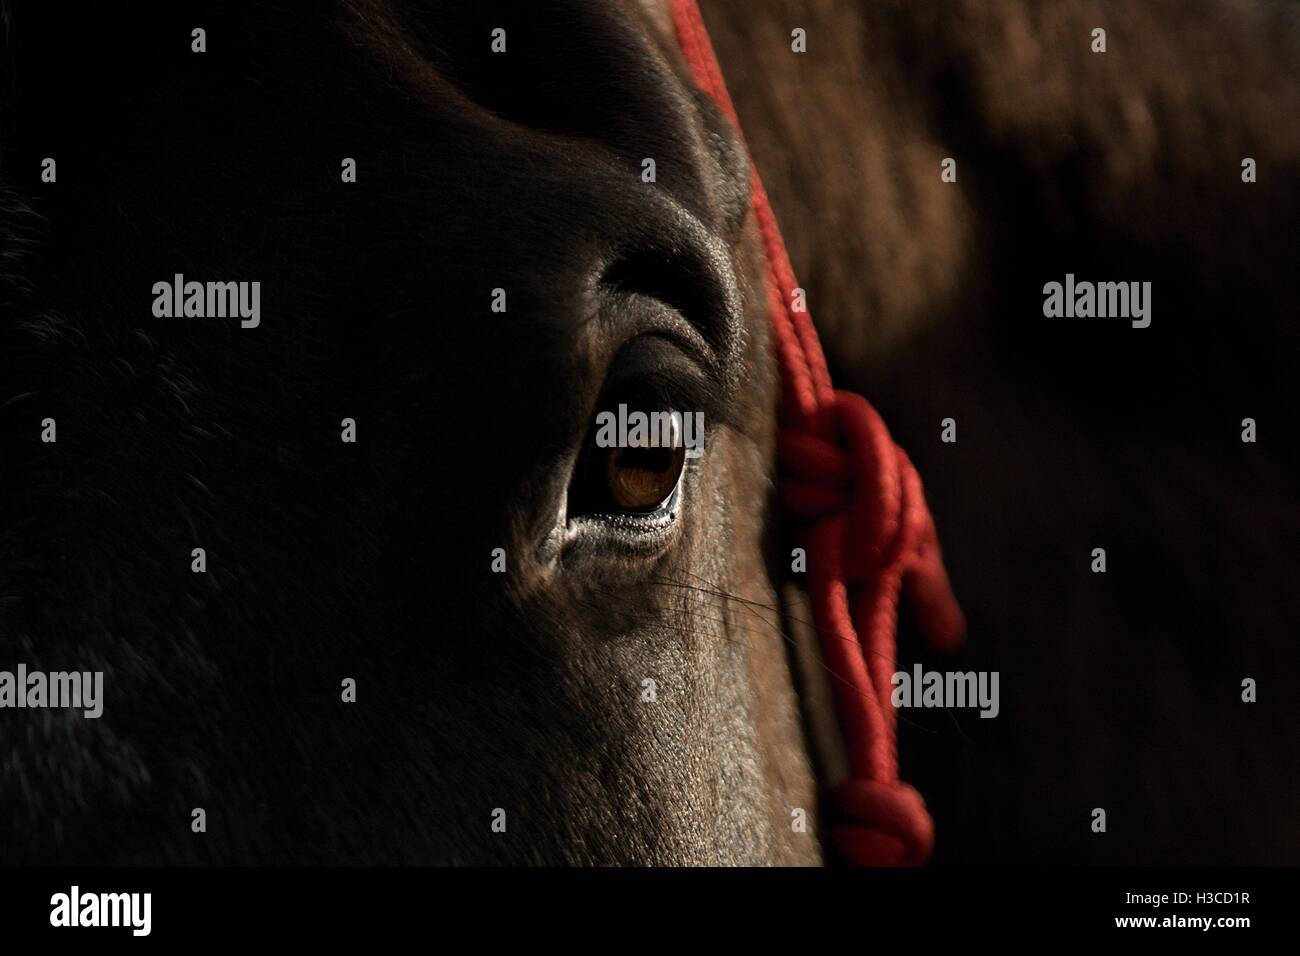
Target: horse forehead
{"points": [[537, 200], [450, 49]]}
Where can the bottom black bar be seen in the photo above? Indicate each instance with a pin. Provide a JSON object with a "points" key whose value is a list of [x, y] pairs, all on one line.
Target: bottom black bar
{"points": [[93, 906]]}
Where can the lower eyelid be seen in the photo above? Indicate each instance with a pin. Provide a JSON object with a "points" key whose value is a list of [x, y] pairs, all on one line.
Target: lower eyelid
{"points": [[644, 522]]}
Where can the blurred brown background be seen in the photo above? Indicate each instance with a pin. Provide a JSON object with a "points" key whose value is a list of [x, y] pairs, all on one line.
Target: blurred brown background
{"points": [[1119, 690]]}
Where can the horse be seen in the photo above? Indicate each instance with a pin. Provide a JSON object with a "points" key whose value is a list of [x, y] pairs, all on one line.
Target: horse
{"points": [[454, 638], [361, 584]]}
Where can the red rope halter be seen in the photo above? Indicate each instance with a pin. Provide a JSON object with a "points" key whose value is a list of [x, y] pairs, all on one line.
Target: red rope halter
{"points": [[868, 533]]}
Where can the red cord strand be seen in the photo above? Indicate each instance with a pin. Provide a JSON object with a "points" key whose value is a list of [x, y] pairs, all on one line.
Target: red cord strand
{"points": [[869, 536]]}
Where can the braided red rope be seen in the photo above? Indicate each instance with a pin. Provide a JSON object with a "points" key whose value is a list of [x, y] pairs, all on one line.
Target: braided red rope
{"points": [[868, 533]]}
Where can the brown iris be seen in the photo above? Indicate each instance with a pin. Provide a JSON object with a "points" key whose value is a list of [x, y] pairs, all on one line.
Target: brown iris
{"points": [[640, 479]]}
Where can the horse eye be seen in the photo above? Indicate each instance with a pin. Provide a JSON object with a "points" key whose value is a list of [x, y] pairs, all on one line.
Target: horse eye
{"points": [[642, 479], [631, 480]]}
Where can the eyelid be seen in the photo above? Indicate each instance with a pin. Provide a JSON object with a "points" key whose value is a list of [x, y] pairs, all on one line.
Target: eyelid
{"points": [[653, 372], [637, 315]]}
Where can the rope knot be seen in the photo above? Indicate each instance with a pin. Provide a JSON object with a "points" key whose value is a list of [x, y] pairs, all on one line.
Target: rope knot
{"points": [[884, 823], [847, 463], [844, 462]]}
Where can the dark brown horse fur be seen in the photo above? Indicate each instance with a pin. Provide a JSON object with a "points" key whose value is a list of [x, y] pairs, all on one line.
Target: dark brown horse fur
{"points": [[1123, 690]]}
